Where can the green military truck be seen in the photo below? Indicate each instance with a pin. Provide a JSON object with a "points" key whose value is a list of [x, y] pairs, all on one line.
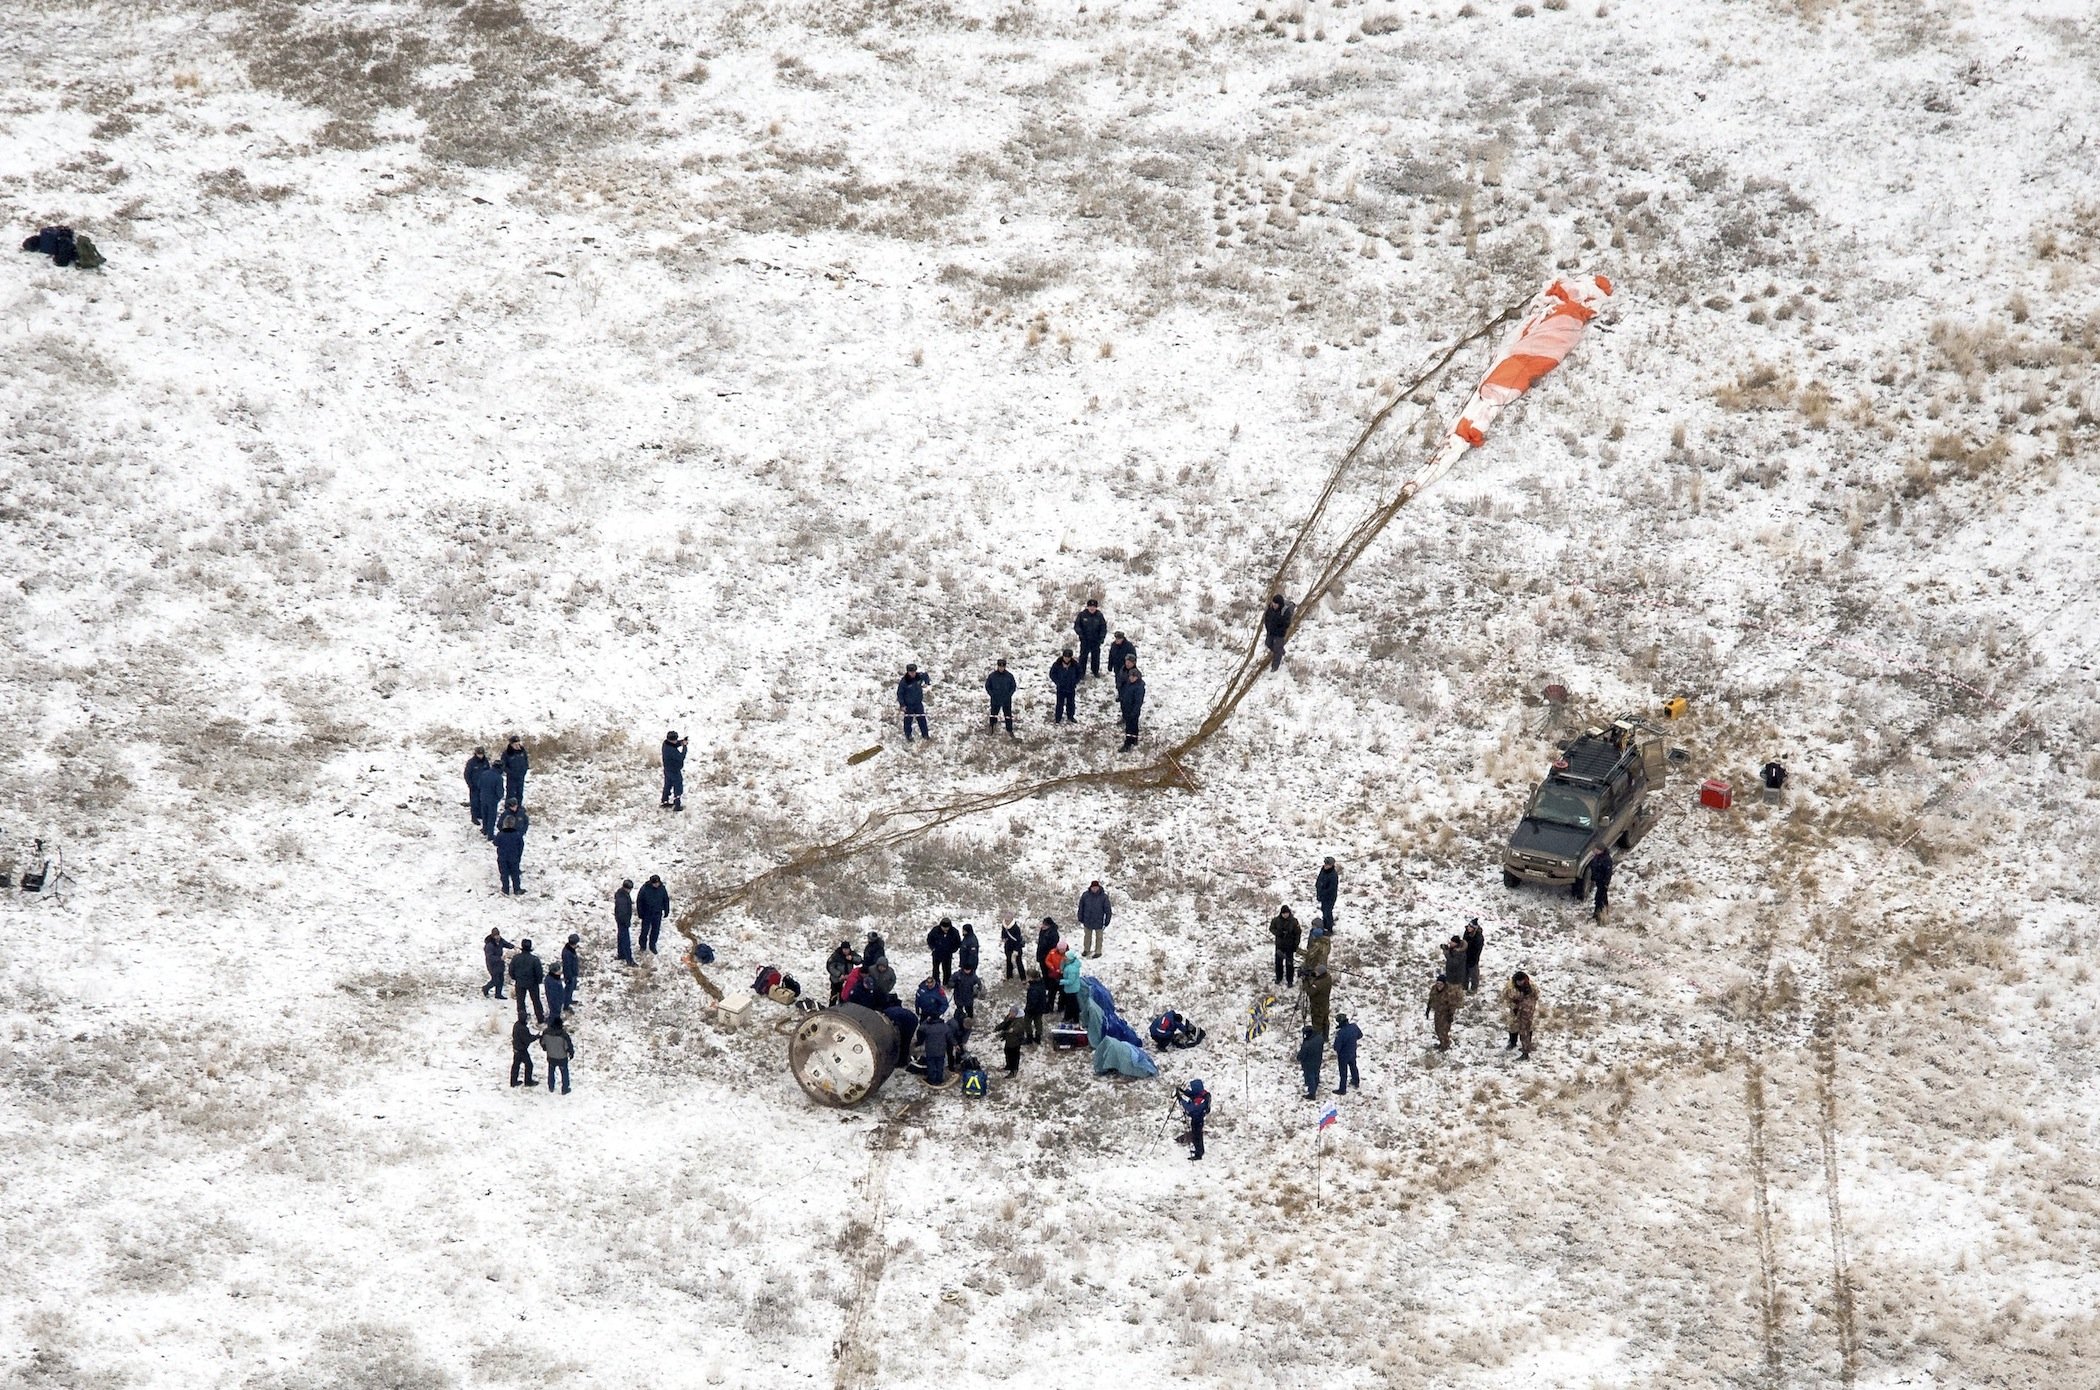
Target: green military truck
{"points": [[1595, 794]]}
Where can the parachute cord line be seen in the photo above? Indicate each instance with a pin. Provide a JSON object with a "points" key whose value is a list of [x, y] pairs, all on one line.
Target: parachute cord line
{"points": [[887, 829]]}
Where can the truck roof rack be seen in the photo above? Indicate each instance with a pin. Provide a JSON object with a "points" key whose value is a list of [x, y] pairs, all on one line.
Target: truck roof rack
{"points": [[1589, 761]]}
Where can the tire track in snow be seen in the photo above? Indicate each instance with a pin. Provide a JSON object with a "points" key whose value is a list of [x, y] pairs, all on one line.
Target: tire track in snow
{"points": [[855, 1364], [1761, 1216]]}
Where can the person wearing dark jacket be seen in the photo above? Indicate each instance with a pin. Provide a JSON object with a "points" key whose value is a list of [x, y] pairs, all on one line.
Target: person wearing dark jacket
{"points": [[521, 1040], [1094, 912], [1287, 933], [967, 954], [838, 965], [557, 991], [1327, 887], [492, 948], [1455, 960], [1312, 1049], [571, 963], [1045, 942], [527, 974], [488, 778], [623, 919], [942, 942], [1601, 870], [999, 685], [1276, 628], [1476, 942], [1012, 943], [674, 770], [1065, 674], [1012, 1031], [510, 855], [1122, 653], [1092, 626], [650, 905], [1132, 699], [1038, 1004], [1195, 1103], [911, 700], [1346, 1036], [515, 761], [476, 811], [966, 992], [559, 1047], [934, 1037]]}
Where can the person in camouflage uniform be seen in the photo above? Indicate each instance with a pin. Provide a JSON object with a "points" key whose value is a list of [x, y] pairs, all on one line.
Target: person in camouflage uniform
{"points": [[1520, 1008], [1444, 998]]}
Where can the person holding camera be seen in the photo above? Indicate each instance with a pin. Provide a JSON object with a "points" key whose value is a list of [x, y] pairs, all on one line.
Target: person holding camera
{"points": [[674, 770], [1195, 1104]]}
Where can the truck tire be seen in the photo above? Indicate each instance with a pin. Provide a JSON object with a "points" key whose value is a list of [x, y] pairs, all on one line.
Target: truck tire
{"points": [[1510, 880]]}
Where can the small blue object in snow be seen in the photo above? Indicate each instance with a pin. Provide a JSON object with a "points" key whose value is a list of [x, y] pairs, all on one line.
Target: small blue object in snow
{"points": [[703, 953]]}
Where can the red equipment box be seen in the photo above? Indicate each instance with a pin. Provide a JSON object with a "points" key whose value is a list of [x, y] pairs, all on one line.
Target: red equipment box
{"points": [[1716, 793]]}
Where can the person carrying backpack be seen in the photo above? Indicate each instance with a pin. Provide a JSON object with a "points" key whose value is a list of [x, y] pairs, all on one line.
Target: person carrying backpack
{"points": [[559, 1047]]}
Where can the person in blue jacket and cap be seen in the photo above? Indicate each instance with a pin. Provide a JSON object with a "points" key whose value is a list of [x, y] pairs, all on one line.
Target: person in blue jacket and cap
{"points": [[1195, 1103]]}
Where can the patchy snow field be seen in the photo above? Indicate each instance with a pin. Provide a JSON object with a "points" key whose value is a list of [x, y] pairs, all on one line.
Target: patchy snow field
{"points": [[590, 370]]}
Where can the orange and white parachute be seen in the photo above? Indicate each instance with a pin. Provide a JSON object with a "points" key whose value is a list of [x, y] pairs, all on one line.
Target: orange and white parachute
{"points": [[1548, 334]]}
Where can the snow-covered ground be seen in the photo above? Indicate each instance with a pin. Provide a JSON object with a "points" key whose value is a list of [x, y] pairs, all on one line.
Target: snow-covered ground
{"points": [[589, 370]]}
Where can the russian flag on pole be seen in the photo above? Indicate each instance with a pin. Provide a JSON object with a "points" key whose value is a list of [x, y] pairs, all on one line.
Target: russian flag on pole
{"points": [[1329, 1118]]}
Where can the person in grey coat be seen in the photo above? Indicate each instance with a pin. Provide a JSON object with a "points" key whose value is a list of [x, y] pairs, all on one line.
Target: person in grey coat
{"points": [[559, 1047], [1094, 912], [1455, 961]]}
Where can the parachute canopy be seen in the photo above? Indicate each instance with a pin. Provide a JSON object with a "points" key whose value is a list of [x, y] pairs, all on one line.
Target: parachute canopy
{"points": [[1548, 333]]}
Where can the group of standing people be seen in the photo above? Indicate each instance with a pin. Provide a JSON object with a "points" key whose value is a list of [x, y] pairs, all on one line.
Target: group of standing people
{"points": [[496, 803], [551, 993], [1069, 670]]}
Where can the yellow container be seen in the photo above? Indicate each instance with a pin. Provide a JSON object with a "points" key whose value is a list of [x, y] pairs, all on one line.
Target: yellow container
{"points": [[1675, 707]]}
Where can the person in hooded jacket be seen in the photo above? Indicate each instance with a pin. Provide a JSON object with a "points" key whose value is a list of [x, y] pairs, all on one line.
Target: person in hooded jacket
{"points": [[650, 905], [492, 948], [1122, 653], [559, 1047], [1327, 887], [1312, 1050], [1285, 930], [1132, 700], [931, 1001], [1094, 912], [838, 965], [942, 942], [1520, 1010], [510, 856], [674, 770], [1046, 939], [488, 782], [969, 952], [1012, 943], [557, 986], [1065, 675], [476, 812], [966, 992], [521, 1040], [1346, 1036], [1195, 1104], [515, 762], [935, 1036], [1276, 627], [999, 686], [1091, 626], [571, 963], [1036, 1005], [527, 975], [623, 920], [911, 700]]}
